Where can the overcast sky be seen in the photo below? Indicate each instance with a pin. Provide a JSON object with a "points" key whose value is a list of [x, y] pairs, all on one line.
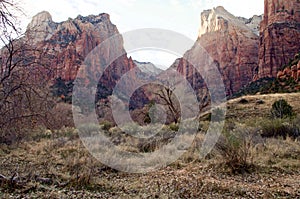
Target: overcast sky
{"points": [[182, 16]]}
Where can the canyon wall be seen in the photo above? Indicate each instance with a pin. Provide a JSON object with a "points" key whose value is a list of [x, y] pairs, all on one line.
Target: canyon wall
{"points": [[231, 44], [279, 35]]}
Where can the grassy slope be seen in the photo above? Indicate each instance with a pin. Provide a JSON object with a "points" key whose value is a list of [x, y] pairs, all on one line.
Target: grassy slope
{"points": [[252, 109], [74, 173]]}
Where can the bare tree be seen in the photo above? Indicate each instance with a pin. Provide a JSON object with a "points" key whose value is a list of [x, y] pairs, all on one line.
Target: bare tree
{"points": [[8, 20], [24, 97], [168, 99]]}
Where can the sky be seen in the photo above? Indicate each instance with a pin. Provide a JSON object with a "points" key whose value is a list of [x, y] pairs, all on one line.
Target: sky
{"points": [[182, 16]]}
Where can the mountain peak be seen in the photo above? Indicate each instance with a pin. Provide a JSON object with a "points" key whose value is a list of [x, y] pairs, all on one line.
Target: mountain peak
{"points": [[211, 20], [220, 8], [218, 19], [94, 19], [44, 15], [40, 18], [41, 27]]}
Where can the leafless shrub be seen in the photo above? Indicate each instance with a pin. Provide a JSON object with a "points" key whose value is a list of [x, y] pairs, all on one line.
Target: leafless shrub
{"points": [[237, 147]]}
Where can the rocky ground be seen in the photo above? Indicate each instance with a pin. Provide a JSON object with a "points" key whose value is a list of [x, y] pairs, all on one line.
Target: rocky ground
{"points": [[196, 180]]}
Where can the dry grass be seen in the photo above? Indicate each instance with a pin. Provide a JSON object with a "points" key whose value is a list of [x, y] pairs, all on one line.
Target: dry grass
{"points": [[284, 154], [75, 174], [61, 162], [254, 109], [57, 165]]}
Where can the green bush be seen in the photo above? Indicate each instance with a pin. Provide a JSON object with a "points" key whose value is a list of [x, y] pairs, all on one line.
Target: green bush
{"points": [[174, 127], [106, 125], [282, 109]]}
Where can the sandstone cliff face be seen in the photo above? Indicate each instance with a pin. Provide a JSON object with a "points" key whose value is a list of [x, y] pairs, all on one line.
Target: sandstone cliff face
{"points": [[231, 44], [70, 42], [279, 35]]}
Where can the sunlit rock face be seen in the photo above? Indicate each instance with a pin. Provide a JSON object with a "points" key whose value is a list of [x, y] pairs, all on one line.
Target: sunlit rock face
{"points": [[231, 44]]}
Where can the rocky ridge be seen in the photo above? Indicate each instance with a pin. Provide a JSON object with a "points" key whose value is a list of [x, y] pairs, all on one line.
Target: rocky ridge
{"points": [[148, 68]]}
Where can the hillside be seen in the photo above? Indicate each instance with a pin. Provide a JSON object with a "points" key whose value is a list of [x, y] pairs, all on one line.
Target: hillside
{"points": [[56, 164], [252, 106]]}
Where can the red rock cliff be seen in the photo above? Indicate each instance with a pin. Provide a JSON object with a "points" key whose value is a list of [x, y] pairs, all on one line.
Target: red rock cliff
{"points": [[70, 42], [279, 35], [230, 43]]}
